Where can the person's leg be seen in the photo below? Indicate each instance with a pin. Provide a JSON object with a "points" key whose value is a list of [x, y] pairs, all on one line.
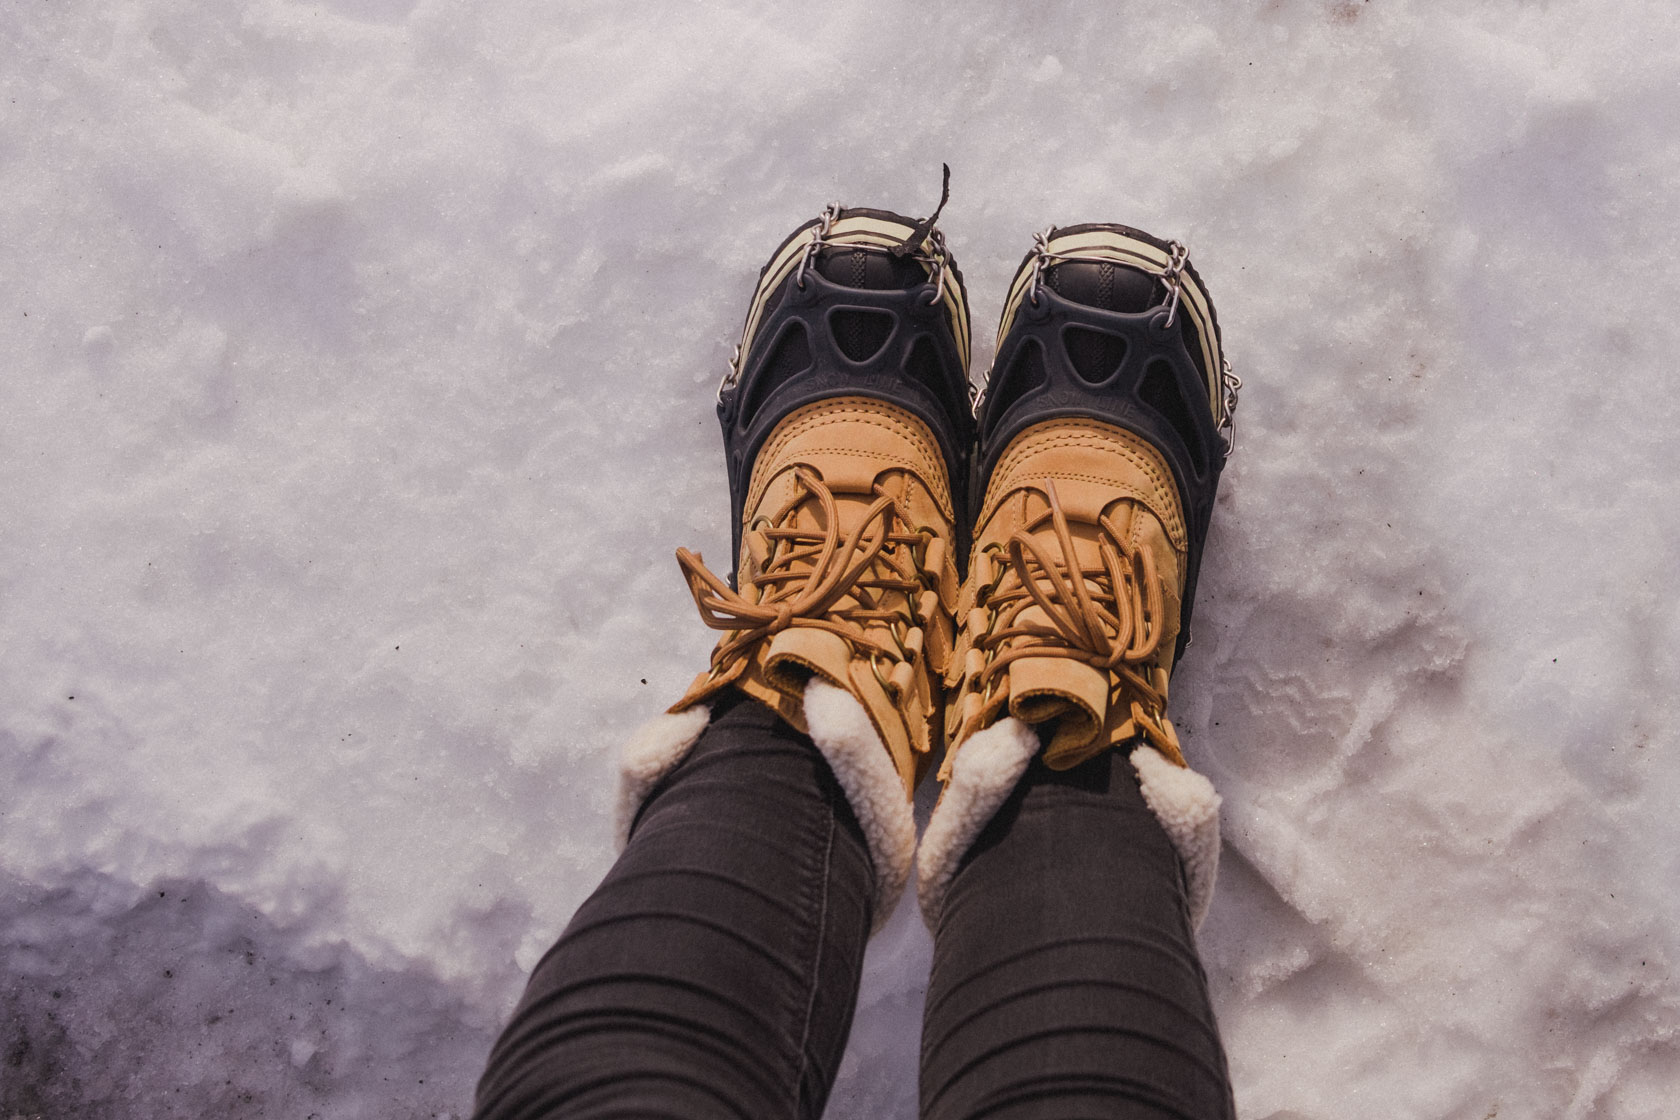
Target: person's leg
{"points": [[1065, 980], [1073, 849], [713, 972]]}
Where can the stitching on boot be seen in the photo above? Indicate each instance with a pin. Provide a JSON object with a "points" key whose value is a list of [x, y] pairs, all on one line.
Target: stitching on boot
{"points": [[801, 422], [1105, 438]]}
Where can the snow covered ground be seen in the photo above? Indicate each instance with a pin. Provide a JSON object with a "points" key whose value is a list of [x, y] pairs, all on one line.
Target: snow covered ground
{"points": [[358, 363]]}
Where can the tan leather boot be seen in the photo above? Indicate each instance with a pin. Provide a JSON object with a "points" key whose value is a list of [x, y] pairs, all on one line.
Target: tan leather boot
{"points": [[846, 423], [847, 575], [1102, 434], [1071, 608]]}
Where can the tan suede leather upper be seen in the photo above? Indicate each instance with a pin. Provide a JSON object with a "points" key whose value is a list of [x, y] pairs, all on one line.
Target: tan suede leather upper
{"points": [[847, 572], [1091, 652]]}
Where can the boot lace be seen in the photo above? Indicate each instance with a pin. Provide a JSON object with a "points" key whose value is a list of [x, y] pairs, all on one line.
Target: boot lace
{"points": [[1108, 615], [812, 578]]}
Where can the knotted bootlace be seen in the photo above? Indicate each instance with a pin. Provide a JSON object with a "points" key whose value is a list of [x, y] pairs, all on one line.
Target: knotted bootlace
{"points": [[863, 588], [1107, 615]]}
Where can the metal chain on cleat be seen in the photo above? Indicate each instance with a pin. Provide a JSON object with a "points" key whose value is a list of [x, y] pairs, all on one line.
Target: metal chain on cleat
{"points": [[1229, 386], [819, 238], [1172, 277], [1177, 257], [731, 375], [931, 254]]}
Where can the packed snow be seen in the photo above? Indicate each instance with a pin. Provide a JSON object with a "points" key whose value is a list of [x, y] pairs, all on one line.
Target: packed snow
{"points": [[359, 361]]}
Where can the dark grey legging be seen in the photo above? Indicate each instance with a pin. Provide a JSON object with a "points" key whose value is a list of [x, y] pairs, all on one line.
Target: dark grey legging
{"points": [[713, 972]]}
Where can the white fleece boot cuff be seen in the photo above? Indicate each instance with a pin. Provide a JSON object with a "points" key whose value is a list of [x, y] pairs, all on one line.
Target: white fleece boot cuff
{"points": [[858, 759], [1188, 808], [860, 762], [986, 772], [653, 752]]}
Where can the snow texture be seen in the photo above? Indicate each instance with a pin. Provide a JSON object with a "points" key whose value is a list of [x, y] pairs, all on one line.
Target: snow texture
{"points": [[359, 365]]}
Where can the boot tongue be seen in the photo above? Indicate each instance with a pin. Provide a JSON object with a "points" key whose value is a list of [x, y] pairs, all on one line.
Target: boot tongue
{"points": [[1068, 694]]}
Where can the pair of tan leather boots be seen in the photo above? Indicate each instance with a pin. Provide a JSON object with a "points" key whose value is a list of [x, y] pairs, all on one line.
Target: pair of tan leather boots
{"points": [[999, 578]]}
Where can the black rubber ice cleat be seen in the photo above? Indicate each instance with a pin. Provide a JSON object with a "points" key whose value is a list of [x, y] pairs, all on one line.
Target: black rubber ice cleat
{"points": [[1107, 322], [858, 302]]}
